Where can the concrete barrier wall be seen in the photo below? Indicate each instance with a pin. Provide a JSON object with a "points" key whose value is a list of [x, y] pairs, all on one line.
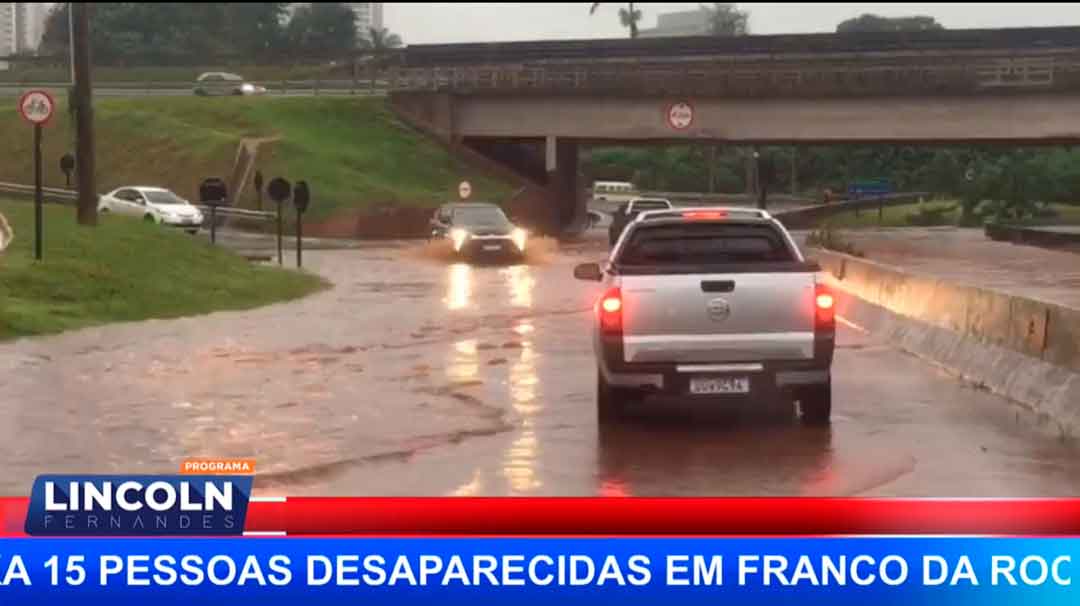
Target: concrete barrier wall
{"points": [[1025, 350], [1034, 328]]}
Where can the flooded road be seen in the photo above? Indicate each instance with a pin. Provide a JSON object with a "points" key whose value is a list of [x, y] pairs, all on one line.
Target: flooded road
{"points": [[416, 375]]}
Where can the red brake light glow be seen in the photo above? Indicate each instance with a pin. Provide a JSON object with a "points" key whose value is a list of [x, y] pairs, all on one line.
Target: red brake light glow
{"points": [[705, 215], [611, 312]]}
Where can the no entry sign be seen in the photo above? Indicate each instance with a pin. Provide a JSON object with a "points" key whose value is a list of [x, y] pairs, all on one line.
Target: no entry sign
{"points": [[680, 115], [36, 106]]}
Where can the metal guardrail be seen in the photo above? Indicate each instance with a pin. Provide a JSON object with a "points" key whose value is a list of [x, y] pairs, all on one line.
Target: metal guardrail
{"points": [[244, 213], [50, 194], [1043, 70], [165, 88], [68, 196]]}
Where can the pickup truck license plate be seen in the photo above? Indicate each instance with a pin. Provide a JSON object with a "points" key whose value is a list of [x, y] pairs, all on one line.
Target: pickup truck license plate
{"points": [[719, 385], [492, 247]]}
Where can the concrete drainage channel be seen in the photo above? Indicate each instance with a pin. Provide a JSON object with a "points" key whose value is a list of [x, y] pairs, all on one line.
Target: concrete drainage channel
{"points": [[1025, 350]]}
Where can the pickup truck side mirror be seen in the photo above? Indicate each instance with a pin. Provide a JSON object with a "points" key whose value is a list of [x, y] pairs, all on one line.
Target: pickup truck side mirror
{"points": [[588, 271]]}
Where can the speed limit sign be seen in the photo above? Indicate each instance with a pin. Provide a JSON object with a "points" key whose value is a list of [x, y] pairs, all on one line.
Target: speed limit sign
{"points": [[464, 190], [36, 106]]}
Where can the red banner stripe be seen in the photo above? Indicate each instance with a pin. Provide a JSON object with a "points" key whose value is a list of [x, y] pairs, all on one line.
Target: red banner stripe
{"points": [[664, 517], [643, 516]]}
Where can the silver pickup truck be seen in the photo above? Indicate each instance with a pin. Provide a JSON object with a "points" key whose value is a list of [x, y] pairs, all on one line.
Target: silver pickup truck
{"points": [[714, 302]]}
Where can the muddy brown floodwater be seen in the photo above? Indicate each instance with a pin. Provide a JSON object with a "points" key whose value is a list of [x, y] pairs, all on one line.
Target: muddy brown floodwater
{"points": [[419, 375]]}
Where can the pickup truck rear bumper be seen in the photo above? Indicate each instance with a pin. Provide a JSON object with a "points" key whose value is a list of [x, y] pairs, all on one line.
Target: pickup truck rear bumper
{"points": [[765, 376]]}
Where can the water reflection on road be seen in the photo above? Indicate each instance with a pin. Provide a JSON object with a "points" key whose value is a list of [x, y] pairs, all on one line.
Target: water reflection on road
{"points": [[419, 374]]}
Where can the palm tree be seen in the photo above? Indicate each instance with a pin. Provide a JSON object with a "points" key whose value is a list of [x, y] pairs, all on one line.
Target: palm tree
{"points": [[628, 16], [378, 42]]}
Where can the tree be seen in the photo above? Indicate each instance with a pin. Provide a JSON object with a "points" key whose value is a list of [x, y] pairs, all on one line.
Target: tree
{"points": [[323, 29], [869, 23], [171, 33], [378, 42], [727, 20], [256, 27], [628, 16], [56, 37]]}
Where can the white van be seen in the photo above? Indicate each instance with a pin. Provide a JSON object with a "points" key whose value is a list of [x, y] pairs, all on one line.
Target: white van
{"points": [[614, 191]]}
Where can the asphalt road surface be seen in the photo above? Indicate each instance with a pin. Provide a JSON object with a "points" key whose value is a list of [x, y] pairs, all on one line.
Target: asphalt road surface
{"points": [[417, 375]]}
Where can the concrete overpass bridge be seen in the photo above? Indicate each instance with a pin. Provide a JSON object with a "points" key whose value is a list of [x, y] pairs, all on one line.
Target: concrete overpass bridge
{"points": [[529, 105]]}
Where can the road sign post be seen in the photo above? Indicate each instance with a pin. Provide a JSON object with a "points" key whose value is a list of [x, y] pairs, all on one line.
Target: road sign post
{"points": [[279, 191], [67, 166], [37, 107], [213, 192], [301, 198]]}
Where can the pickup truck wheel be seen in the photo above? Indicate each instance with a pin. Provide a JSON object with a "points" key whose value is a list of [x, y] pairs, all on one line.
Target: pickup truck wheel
{"points": [[816, 405], [609, 400]]}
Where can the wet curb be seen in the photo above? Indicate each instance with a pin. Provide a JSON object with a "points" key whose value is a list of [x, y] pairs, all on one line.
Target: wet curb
{"points": [[982, 336], [1030, 234]]}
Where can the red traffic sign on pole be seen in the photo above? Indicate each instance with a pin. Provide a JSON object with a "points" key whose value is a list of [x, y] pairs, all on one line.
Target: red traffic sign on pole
{"points": [[680, 115], [36, 106]]}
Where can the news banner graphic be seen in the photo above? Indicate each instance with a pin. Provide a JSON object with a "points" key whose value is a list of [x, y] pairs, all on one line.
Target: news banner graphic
{"points": [[203, 538]]}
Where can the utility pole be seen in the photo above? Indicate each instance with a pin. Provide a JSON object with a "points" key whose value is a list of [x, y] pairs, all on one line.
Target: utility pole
{"points": [[794, 171], [84, 115]]}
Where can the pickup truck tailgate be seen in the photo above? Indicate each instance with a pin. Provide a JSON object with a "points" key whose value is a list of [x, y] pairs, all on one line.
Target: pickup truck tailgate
{"points": [[738, 317]]}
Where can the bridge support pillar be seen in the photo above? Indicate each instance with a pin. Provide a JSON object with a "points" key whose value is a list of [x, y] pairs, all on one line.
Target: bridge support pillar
{"points": [[564, 191]]}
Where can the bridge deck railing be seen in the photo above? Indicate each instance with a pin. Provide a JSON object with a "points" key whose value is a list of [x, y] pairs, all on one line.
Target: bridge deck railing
{"points": [[853, 76]]}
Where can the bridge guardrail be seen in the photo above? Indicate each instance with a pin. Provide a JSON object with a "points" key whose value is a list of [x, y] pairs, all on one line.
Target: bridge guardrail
{"points": [[360, 87], [784, 76]]}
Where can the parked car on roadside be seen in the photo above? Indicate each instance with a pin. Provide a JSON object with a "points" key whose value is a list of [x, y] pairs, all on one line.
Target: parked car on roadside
{"points": [[154, 204], [224, 83]]}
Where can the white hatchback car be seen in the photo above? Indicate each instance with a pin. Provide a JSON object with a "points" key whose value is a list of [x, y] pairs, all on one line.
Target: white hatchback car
{"points": [[152, 204]]}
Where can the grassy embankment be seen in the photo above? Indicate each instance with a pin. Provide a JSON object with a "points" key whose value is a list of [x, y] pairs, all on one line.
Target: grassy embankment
{"points": [[902, 216], [352, 152], [124, 270]]}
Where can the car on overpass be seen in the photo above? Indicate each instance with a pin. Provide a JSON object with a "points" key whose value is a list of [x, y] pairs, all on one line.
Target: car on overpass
{"points": [[478, 231], [714, 303], [152, 204], [223, 84], [628, 211]]}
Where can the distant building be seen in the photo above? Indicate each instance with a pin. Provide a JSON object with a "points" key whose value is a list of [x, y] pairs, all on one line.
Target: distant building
{"points": [[9, 29], [682, 23], [21, 26], [368, 15]]}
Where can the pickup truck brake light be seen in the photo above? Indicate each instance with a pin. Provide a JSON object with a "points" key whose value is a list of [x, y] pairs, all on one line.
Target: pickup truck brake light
{"points": [[824, 308], [705, 215], [611, 312]]}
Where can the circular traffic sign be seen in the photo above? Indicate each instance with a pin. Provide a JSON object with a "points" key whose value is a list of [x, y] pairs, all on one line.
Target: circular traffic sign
{"points": [[464, 190], [36, 106], [680, 115]]}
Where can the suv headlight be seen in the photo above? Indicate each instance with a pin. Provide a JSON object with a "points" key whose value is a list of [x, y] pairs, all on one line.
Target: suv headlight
{"points": [[519, 236], [459, 236]]}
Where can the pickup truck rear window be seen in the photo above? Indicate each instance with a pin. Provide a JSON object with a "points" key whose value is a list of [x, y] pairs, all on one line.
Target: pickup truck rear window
{"points": [[704, 244]]}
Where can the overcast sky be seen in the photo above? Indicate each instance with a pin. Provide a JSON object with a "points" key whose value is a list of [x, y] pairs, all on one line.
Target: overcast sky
{"points": [[420, 23]]}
